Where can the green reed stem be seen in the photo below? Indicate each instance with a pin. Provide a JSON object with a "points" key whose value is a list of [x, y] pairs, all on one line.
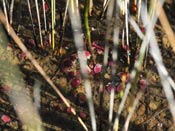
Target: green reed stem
{"points": [[86, 22]]}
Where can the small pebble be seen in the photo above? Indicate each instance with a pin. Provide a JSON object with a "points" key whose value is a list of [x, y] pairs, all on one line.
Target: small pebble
{"points": [[151, 62], [107, 76], [153, 105], [141, 110], [14, 125], [165, 41], [152, 123], [62, 81], [162, 115], [153, 78]]}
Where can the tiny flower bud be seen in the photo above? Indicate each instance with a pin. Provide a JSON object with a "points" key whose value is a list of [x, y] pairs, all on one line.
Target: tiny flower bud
{"points": [[97, 68]]}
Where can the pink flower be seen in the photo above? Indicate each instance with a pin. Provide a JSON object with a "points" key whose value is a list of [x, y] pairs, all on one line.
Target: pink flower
{"points": [[69, 110], [83, 115], [98, 47], [111, 63], [125, 47], [5, 118], [71, 74], [75, 82], [109, 87], [143, 29], [46, 6], [23, 55], [81, 98], [87, 54], [32, 42], [97, 68], [118, 88], [142, 84]]}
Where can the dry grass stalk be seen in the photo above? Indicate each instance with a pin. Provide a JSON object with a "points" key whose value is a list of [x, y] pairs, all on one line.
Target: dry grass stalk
{"points": [[37, 66], [166, 25]]}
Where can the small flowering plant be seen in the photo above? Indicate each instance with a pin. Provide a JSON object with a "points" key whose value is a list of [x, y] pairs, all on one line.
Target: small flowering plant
{"points": [[117, 87], [142, 83], [97, 47], [75, 82], [83, 115], [97, 68], [5, 118], [87, 54]]}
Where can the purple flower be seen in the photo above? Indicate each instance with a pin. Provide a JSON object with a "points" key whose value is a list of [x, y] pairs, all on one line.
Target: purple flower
{"points": [[71, 74], [83, 115], [118, 88], [109, 87], [46, 6], [69, 110], [31, 42], [81, 98], [75, 82]]}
